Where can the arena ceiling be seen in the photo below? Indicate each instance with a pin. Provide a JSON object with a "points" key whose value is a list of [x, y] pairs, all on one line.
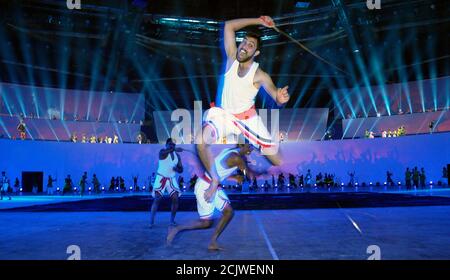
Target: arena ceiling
{"points": [[174, 47]]}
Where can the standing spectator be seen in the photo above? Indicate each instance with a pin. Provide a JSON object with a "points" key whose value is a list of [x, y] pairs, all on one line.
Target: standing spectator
{"points": [[416, 177], [389, 180], [117, 183], [281, 180], [422, 178], [352, 178], [254, 183], [292, 181], [16, 185], [112, 183], [300, 180], [50, 181], [67, 184], [408, 178], [83, 182], [308, 178], [21, 127], [122, 184], [4, 185], [431, 126], [135, 183], [95, 183]]}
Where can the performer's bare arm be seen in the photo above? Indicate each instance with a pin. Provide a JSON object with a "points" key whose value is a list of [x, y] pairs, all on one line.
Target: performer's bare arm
{"points": [[179, 167], [279, 95]]}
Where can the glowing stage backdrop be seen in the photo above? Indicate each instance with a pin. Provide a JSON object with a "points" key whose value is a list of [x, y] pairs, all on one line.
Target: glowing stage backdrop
{"points": [[368, 158]]}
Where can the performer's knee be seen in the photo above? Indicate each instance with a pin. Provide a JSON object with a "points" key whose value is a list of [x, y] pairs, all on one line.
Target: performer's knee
{"points": [[206, 223], [228, 211]]}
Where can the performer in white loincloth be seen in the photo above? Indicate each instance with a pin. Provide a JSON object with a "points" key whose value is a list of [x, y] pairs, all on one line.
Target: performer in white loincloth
{"points": [[210, 198], [168, 165]]}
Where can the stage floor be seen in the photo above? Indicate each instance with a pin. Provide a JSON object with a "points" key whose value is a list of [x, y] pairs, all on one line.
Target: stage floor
{"points": [[400, 233]]}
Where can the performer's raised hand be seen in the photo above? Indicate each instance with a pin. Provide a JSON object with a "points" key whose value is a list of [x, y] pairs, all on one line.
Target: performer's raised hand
{"points": [[282, 95], [267, 21]]}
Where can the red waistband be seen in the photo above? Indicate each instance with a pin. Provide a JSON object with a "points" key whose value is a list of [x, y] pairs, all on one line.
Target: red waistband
{"points": [[206, 178], [246, 114]]}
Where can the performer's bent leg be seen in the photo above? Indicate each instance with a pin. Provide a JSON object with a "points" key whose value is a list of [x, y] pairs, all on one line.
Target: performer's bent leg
{"points": [[155, 205], [174, 208], [227, 215], [203, 139], [274, 158]]}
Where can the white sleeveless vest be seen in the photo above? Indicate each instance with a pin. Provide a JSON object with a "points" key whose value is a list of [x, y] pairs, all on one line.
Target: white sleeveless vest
{"points": [[238, 94]]}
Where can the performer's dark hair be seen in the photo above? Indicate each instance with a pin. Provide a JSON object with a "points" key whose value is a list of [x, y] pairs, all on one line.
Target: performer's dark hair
{"points": [[255, 33], [169, 140]]}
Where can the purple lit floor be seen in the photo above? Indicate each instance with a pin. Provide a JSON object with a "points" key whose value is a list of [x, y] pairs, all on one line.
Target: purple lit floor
{"points": [[400, 232]]}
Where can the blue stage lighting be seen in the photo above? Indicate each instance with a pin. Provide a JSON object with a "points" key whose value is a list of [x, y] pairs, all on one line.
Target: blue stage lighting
{"points": [[21, 189], [302, 5]]}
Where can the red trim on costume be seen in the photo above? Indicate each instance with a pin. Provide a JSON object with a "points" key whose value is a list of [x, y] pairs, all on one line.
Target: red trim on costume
{"points": [[246, 114], [251, 137]]}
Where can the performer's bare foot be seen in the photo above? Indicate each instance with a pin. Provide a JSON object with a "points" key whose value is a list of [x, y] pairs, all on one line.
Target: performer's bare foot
{"points": [[213, 246], [171, 235]]}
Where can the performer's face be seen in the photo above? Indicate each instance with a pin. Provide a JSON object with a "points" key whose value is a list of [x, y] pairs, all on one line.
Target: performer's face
{"points": [[246, 149], [170, 145], [247, 49]]}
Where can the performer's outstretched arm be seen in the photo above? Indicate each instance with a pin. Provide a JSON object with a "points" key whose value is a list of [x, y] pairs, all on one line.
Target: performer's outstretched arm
{"points": [[279, 95]]}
